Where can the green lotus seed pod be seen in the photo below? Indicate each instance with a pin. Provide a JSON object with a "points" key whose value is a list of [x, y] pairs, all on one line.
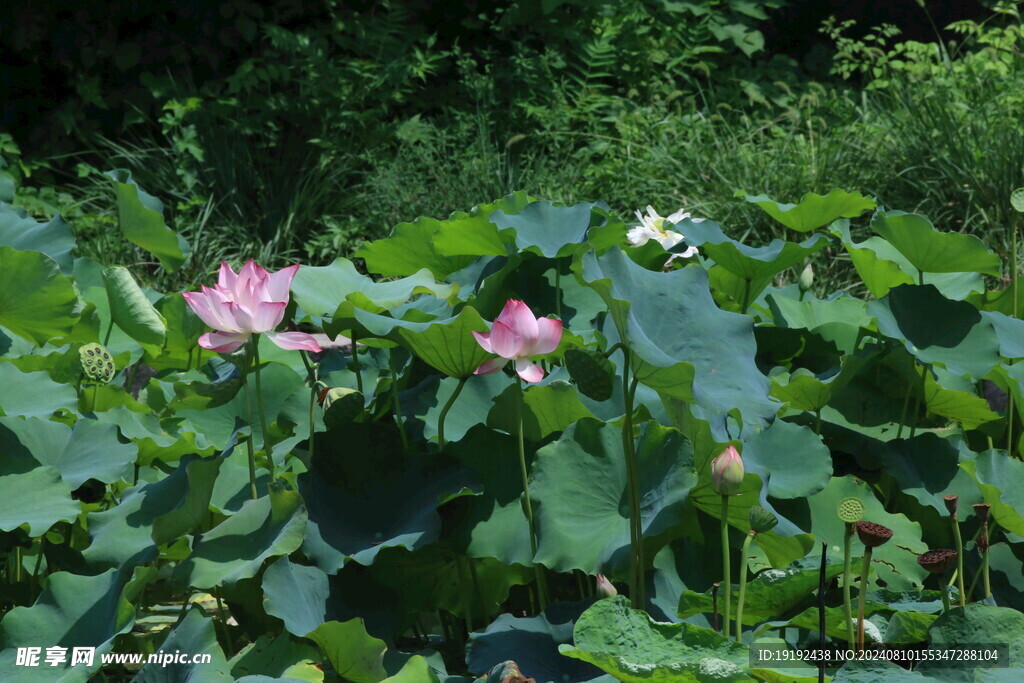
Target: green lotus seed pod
{"points": [[762, 520], [592, 373], [97, 364], [341, 405], [850, 510]]}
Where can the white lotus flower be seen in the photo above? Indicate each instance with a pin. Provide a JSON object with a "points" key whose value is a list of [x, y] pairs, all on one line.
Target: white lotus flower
{"points": [[652, 227]]}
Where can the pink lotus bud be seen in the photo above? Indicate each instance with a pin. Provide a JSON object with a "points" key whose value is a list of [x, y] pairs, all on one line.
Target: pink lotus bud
{"points": [[605, 588], [727, 472]]}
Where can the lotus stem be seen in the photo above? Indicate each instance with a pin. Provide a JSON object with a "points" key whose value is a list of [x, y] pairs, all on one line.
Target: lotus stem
{"points": [[224, 621], [959, 559], [714, 605], [396, 404], [847, 578], [448, 406], [743, 585], [558, 291], [355, 362], [862, 597], [918, 400], [945, 594], [822, 590], [636, 581], [267, 446], [726, 569], [248, 439], [746, 296], [542, 588], [311, 372]]}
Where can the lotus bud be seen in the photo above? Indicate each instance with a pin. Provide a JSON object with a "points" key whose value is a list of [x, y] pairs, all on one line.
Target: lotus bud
{"points": [[850, 510], [873, 535], [340, 405], [937, 561], [806, 278], [951, 503], [981, 510], [605, 588], [761, 520], [97, 365], [727, 472]]}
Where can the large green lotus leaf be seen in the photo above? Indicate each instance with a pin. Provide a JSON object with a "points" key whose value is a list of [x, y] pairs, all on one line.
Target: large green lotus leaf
{"points": [[320, 290], [275, 658], [195, 634], [140, 216], [932, 251], [1010, 332], [532, 643], [474, 233], [355, 655], [183, 331], [633, 648], [280, 385], [53, 237], [124, 534], [132, 311], [683, 345], [439, 577], [547, 228], [908, 627], [72, 611], [165, 439], [881, 267], [791, 460], [236, 548], [838, 319], [961, 404], [581, 493], [895, 562], [363, 495], [937, 330], [33, 394], [749, 263], [36, 301], [494, 525], [805, 390], [769, 595], [296, 594], [470, 408], [995, 473], [814, 211], [32, 493], [546, 410], [89, 450], [415, 670], [411, 248], [89, 279], [447, 345], [979, 624]]}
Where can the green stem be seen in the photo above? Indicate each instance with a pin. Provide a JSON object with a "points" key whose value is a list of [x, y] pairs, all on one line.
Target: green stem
{"points": [[1013, 267], [396, 404], [224, 622], [862, 597], [542, 588], [248, 439], [726, 569], [444, 412], [267, 446], [110, 328], [917, 400], [817, 421], [984, 574], [636, 575], [558, 292], [945, 594], [959, 559], [199, 357], [743, 585], [355, 363], [484, 611], [847, 579], [311, 373], [746, 296], [903, 413], [17, 564]]}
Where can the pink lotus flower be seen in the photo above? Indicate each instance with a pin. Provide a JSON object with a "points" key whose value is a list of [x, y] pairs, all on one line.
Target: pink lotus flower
{"points": [[605, 588], [727, 472], [247, 303], [516, 335]]}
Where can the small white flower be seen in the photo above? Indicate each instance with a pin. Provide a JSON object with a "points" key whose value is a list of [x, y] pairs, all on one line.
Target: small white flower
{"points": [[652, 227]]}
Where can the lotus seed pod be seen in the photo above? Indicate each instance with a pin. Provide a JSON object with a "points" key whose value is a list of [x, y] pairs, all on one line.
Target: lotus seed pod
{"points": [[937, 561], [806, 278], [97, 364], [951, 503], [761, 520], [850, 510], [727, 472], [605, 588], [981, 510], [873, 535]]}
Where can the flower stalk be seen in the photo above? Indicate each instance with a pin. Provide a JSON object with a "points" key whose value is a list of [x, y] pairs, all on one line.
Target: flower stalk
{"points": [[951, 506], [268, 448], [542, 588], [636, 580]]}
